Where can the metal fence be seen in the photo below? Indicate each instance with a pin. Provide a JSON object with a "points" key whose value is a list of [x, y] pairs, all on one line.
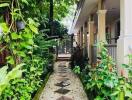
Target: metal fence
{"points": [[64, 46]]}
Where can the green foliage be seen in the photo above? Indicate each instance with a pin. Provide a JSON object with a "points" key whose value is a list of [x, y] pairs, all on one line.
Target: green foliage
{"points": [[103, 78], [30, 82], [103, 82], [77, 70], [128, 67], [4, 5], [5, 76]]}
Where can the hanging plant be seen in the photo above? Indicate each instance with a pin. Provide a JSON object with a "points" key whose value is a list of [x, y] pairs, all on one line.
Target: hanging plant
{"points": [[20, 25]]}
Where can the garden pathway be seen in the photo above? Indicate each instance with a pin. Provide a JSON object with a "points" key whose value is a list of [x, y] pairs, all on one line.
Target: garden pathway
{"points": [[63, 84]]}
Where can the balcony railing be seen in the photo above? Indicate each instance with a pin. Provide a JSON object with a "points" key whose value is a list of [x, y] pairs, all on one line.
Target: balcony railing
{"points": [[112, 48]]}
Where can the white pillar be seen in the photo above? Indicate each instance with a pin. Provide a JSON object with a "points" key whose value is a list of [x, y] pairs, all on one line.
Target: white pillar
{"points": [[124, 43], [101, 25], [91, 40], [85, 39], [81, 37]]}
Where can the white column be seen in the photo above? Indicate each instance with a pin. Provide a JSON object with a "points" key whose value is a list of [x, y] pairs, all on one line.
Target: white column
{"points": [[101, 25], [85, 39], [78, 38], [124, 43], [91, 40], [81, 37]]}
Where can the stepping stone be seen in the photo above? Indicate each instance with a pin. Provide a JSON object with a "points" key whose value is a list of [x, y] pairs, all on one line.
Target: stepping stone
{"points": [[62, 91], [62, 69], [63, 84], [62, 66], [63, 79], [62, 75], [64, 98], [59, 84], [62, 72]]}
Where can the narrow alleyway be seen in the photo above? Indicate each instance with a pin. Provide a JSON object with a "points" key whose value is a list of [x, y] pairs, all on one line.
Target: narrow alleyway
{"points": [[63, 84]]}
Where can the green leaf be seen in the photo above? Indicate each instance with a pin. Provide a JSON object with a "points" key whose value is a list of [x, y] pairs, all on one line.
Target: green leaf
{"points": [[14, 35], [33, 28], [115, 93], [25, 1], [125, 66], [22, 54], [15, 73], [3, 72], [32, 69], [128, 93], [99, 98], [10, 60], [4, 28], [30, 41], [27, 35], [4, 5]]}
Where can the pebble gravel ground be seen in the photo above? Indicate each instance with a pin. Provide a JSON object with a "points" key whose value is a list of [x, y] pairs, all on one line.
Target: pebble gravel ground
{"points": [[63, 84]]}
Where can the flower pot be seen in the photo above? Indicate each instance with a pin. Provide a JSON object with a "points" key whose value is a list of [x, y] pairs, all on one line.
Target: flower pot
{"points": [[20, 25]]}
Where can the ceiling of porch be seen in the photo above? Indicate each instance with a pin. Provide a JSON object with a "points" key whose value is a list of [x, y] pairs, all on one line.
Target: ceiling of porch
{"points": [[90, 6]]}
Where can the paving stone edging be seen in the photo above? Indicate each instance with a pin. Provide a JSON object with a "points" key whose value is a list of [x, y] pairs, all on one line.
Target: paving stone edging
{"points": [[40, 90]]}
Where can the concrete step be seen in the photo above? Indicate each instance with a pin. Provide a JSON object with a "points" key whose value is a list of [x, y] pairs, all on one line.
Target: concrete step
{"points": [[63, 59]]}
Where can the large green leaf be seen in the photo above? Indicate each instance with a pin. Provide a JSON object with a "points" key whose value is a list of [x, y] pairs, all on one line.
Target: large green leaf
{"points": [[16, 72], [4, 28], [33, 28], [6, 77], [128, 93], [25, 1], [4, 5], [3, 72], [14, 35]]}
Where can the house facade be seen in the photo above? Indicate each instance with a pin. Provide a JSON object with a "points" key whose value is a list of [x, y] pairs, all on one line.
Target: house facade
{"points": [[104, 20]]}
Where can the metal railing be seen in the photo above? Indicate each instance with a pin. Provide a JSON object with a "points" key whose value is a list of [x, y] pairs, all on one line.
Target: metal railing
{"points": [[112, 51]]}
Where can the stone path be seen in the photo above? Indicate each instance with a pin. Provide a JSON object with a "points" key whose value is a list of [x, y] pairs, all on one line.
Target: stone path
{"points": [[63, 84]]}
